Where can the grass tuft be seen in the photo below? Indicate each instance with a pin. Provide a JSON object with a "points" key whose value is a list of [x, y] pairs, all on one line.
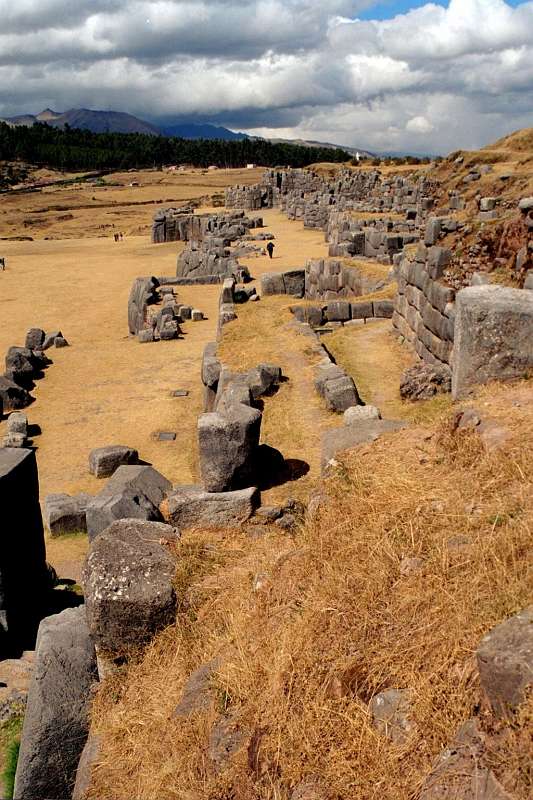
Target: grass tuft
{"points": [[10, 743]]}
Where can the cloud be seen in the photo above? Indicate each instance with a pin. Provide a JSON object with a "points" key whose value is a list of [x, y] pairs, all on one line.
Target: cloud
{"points": [[419, 125], [434, 78]]}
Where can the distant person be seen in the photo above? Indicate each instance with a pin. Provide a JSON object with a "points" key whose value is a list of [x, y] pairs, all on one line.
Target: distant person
{"points": [[270, 249], [2, 264]]}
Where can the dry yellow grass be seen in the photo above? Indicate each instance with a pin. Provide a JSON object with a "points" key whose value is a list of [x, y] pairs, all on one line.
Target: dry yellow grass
{"points": [[92, 210], [295, 417], [376, 360], [335, 622]]}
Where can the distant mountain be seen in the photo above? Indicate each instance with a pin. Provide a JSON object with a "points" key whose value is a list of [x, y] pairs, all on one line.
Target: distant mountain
{"points": [[403, 154], [198, 130], [329, 145], [95, 121], [119, 122]]}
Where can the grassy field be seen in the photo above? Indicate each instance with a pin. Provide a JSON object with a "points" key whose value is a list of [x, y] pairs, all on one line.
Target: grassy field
{"points": [[93, 210], [309, 629]]}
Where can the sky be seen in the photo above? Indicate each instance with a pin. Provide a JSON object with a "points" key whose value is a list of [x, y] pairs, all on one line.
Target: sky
{"points": [[375, 74]]}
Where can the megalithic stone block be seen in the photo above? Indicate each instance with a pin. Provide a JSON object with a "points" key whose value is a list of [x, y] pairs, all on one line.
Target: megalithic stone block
{"points": [[56, 723], [227, 447], [493, 337], [23, 572]]}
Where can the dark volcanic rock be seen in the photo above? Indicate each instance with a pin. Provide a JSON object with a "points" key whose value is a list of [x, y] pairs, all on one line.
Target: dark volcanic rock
{"points": [[128, 578], [56, 723]]}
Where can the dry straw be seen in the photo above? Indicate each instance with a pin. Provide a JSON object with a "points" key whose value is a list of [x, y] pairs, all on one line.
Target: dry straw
{"points": [[333, 620]]}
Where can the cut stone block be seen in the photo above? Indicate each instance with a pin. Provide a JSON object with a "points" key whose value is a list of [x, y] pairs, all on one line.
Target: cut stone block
{"points": [[56, 723], [227, 444], [66, 514], [493, 339], [128, 578], [132, 492], [103, 461], [193, 507]]}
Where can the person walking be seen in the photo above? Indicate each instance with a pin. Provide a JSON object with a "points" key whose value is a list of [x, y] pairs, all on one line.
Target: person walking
{"points": [[270, 249]]}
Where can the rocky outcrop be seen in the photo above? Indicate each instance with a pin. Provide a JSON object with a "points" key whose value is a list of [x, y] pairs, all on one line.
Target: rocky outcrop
{"points": [[423, 381], [182, 224], [459, 773], [56, 723]]}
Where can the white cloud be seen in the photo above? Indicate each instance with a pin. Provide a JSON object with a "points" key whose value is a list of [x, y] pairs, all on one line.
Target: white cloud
{"points": [[419, 125], [432, 79]]}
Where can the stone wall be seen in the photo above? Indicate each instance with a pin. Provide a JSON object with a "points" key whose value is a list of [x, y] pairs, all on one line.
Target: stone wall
{"points": [[208, 258], [377, 238], [424, 313], [251, 198], [183, 225], [328, 279]]}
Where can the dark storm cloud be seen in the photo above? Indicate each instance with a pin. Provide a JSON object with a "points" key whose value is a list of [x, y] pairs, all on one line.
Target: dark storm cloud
{"points": [[433, 78]]}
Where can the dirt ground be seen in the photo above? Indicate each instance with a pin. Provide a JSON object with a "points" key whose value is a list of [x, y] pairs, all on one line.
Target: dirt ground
{"points": [[106, 387], [113, 205]]}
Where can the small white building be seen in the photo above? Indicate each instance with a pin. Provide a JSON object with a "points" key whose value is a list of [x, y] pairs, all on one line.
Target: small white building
{"points": [[251, 166]]}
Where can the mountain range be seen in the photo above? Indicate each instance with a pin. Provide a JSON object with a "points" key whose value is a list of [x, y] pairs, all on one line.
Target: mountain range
{"points": [[120, 122]]}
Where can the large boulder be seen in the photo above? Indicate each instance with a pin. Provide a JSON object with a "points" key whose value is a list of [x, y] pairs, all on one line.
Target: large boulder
{"points": [[227, 446], [505, 662], [22, 551], [12, 395], [132, 492], [143, 293], [35, 339], [64, 513], [341, 393], [128, 586], [193, 507], [492, 339], [56, 723], [104, 461], [294, 281]]}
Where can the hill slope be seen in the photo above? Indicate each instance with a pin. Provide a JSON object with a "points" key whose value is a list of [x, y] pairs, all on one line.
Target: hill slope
{"points": [[202, 131], [94, 121]]}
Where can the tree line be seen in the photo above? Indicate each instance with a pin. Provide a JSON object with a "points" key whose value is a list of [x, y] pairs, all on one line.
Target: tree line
{"points": [[72, 149]]}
